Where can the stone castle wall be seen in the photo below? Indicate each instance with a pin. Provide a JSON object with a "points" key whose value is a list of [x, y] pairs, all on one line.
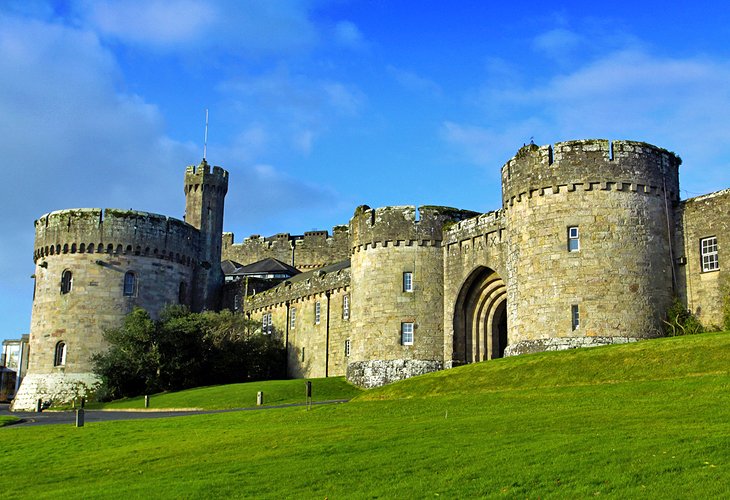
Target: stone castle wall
{"points": [[314, 349], [386, 243], [621, 198], [313, 250], [698, 218]]}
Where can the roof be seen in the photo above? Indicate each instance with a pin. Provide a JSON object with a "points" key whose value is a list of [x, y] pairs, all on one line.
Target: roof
{"points": [[266, 266], [337, 266]]}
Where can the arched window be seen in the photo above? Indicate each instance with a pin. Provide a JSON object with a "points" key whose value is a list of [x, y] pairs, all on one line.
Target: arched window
{"points": [[66, 281], [59, 357], [182, 293], [130, 284]]}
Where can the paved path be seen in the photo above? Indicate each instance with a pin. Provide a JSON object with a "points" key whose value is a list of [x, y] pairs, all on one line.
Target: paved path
{"points": [[90, 416]]}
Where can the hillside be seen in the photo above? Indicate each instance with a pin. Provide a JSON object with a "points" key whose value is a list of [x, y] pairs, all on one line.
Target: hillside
{"points": [[645, 420]]}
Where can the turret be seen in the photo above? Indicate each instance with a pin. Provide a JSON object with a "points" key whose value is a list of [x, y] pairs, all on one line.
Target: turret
{"points": [[205, 193]]}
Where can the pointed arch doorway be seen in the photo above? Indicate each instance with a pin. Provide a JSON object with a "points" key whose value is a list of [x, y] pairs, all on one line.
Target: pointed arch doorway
{"points": [[480, 318]]}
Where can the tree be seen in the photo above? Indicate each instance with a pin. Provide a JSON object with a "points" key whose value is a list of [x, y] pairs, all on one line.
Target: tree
{"points": [[184, 349]]}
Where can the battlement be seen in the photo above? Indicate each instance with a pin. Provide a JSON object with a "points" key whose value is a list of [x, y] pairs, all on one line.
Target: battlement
{"points": [[400, 225], [590, 164], [302, 286], [199, 175], [475, 226], [93, 230], [312, 250]]}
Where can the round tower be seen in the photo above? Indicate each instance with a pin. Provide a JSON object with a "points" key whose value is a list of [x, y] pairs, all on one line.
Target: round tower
{"points": [[92, 267], [397, 293], [589, 252], [205, 193]]}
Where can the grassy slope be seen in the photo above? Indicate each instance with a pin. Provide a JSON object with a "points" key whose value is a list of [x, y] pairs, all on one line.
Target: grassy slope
{"points": [[645, 420], [276, 392]]}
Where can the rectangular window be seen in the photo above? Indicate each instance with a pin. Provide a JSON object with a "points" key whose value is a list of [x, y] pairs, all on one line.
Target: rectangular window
{"points": [[708, 250], [347, 347], [575, 316], [302, 354], [317, 311], [406, 333], [573, 239], [408, 282], [293, 318], [270, 324], [346, 307], [264, 323]]}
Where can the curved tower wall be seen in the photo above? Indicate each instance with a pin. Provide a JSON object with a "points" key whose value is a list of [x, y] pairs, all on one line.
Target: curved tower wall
{"points": [[387, 242], [619, 196], [99, 249], [205, 193]]}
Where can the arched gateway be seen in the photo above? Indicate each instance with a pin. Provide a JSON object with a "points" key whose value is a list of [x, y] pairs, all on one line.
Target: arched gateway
{"points": [[480, 318]]}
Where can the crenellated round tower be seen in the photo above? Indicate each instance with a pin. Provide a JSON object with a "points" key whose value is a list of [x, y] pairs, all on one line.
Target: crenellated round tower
{"points": [[397, 292], [589, 250], [205, 193], [93, 266]]}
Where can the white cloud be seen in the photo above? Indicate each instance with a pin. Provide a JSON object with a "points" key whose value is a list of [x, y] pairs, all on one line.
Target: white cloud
{"points": [[348, 34], [413, 82], [558, 43], [249, 26], [678, 103], [292, 108]]}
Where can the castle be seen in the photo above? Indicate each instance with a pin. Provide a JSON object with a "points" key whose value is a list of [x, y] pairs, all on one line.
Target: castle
{"points": [[590, 247]]}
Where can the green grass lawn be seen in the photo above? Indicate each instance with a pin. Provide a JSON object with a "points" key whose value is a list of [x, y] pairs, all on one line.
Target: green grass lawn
{"points": [[276, 392], [647, 420]]}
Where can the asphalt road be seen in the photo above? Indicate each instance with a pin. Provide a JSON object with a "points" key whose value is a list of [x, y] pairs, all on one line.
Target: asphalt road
{"points": [[90, 416]]}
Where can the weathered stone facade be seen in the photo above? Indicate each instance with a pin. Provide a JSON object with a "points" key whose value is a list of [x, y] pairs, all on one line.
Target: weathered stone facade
{"points": [[94, 266], [590, 247]]}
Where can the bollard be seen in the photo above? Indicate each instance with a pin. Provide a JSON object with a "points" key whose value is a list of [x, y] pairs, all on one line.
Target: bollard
{"points": [[146, 401], [80, 417], [259, 398], [39, 406], [309, 394]]}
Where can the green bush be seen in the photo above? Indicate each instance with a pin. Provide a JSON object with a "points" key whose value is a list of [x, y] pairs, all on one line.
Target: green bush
{"points": [[681, 321], [183, 350]]}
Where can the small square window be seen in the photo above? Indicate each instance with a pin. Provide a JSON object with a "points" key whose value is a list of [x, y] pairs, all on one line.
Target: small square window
{"points": [[575, 316], [406, 333], [708, 251], [573, 239], [407, 282]]}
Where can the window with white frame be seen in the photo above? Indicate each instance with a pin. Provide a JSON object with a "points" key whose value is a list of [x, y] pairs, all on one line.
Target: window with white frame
{"points": [[573, 239], [575, 316], [293, 318], [270, 324], [59, 356], [130, 284], [408, 282], [346, 307], [66, 281], [317, 312], [347, 347], [708, 250], [265, 323], [406, 333]]}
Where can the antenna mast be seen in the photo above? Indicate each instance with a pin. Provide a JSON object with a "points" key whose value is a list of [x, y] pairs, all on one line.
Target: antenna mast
{"points": [[205, 141]]}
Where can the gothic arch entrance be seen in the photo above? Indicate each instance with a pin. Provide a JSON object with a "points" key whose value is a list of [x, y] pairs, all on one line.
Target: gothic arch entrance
{"points": [[480, 318]]}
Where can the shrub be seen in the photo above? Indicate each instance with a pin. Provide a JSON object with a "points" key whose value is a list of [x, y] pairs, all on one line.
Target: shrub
{"points": [[681, 321]]}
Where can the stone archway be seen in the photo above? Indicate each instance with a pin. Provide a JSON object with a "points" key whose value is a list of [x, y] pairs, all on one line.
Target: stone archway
{"points": [[480, 318]]}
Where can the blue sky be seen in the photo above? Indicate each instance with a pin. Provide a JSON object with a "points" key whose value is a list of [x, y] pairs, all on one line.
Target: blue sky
{"points": [[319, 106]]}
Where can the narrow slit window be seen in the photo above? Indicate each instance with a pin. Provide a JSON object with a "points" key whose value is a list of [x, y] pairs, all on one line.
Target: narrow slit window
{"points": [[406, 333], [59, 357], [317, 312], [575, 316], [66, 281], [347, 347], [573, 239], [408, 282], [130, 284], [293, 318], [346, 307]]}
